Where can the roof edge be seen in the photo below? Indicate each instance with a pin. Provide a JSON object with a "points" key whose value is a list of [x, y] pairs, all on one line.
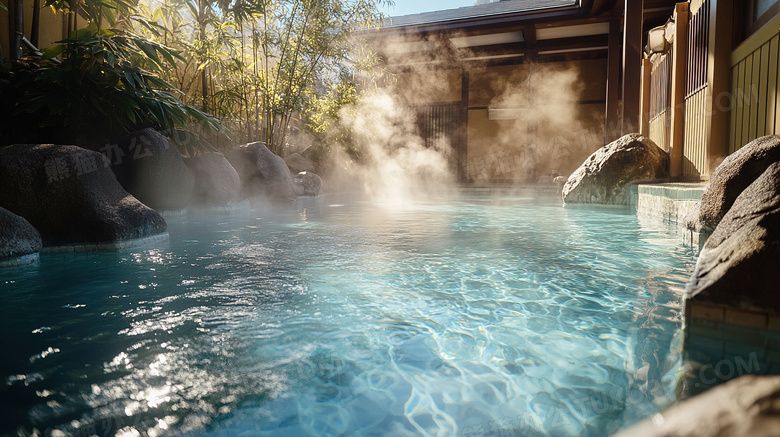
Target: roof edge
{"points": [[476, 20]]}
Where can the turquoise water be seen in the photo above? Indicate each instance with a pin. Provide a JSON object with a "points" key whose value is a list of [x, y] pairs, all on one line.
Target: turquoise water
{"points": [[473, 315]]}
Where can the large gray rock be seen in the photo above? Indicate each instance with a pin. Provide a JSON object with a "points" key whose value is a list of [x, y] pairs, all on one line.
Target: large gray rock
{"points": [[262, 173], [216, 181], [298, 163], [730, 178], [71, 196], [748, 406], [738, 264], [17, 236], [603, 177], [150, 168], [308, 184]]}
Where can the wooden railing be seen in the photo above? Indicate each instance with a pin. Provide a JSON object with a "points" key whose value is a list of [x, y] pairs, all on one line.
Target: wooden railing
{"points": [[438, 123], [695, 153], [660, 92]]}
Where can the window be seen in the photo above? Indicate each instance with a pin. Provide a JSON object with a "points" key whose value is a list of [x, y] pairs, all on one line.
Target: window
{"points": [[761, 7], [760, 13]]}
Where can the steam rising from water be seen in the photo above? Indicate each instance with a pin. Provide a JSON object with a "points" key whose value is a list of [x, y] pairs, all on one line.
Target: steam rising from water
{"points": [[395, 163], [527, 123]]}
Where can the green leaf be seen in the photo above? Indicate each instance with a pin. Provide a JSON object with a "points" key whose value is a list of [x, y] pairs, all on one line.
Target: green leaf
{"points": [[149, 50], [131, 83], [52, 51], [86, 32], [143, 22]]}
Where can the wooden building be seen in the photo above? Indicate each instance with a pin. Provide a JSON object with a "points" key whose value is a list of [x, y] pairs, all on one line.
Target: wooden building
{"points": [[711, 81], [523, 89], [700, 78]]}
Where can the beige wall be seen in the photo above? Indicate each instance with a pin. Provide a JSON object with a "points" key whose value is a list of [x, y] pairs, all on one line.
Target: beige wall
{"points": [[498, 149], [553, 119], [51, 27], [488, 84], [429, 86]]}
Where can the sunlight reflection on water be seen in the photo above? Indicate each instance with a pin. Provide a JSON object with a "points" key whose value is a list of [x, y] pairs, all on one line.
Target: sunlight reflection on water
{"points": [[332, 317]]}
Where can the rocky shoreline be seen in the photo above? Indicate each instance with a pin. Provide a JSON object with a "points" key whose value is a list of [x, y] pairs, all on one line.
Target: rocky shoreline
{"points": [[65, 198]]}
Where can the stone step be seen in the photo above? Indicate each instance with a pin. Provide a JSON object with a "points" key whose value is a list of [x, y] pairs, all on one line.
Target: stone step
{"points": [[670, 201]]}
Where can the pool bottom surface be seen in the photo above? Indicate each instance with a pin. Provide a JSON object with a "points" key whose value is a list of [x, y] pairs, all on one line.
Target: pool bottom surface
{"points": [[471, 315]]}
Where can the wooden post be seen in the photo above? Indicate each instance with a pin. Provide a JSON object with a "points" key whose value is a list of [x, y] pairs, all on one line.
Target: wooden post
{"points": [[612, 116], [718, 78], [632, 59], [461, 154], [644, 116], [677, 104]]}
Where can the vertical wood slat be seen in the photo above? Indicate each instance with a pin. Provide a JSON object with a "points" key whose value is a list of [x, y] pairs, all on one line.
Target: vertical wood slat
{"points": [[700, 151], [744, 101], [438, 123], [703, 156], [776, 42], [738, 105], [706, 121], [660, 100], [692, 55], [697, 124], [698, 51], [771, 92], [690, 130], [762, 87], [691, 147], [693, 120], [667, 118], [755, 82], [691, 52], [696, 146], [754, 101], [695, 116], [691, 60], [706, 36], [733, 130], [698, 34]]}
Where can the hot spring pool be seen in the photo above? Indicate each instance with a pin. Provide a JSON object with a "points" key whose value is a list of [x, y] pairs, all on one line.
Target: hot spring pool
{"points": [[472, 315]]}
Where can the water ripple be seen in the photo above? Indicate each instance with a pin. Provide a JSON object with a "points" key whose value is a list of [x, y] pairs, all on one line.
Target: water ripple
{"points": [[472, 315]]}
